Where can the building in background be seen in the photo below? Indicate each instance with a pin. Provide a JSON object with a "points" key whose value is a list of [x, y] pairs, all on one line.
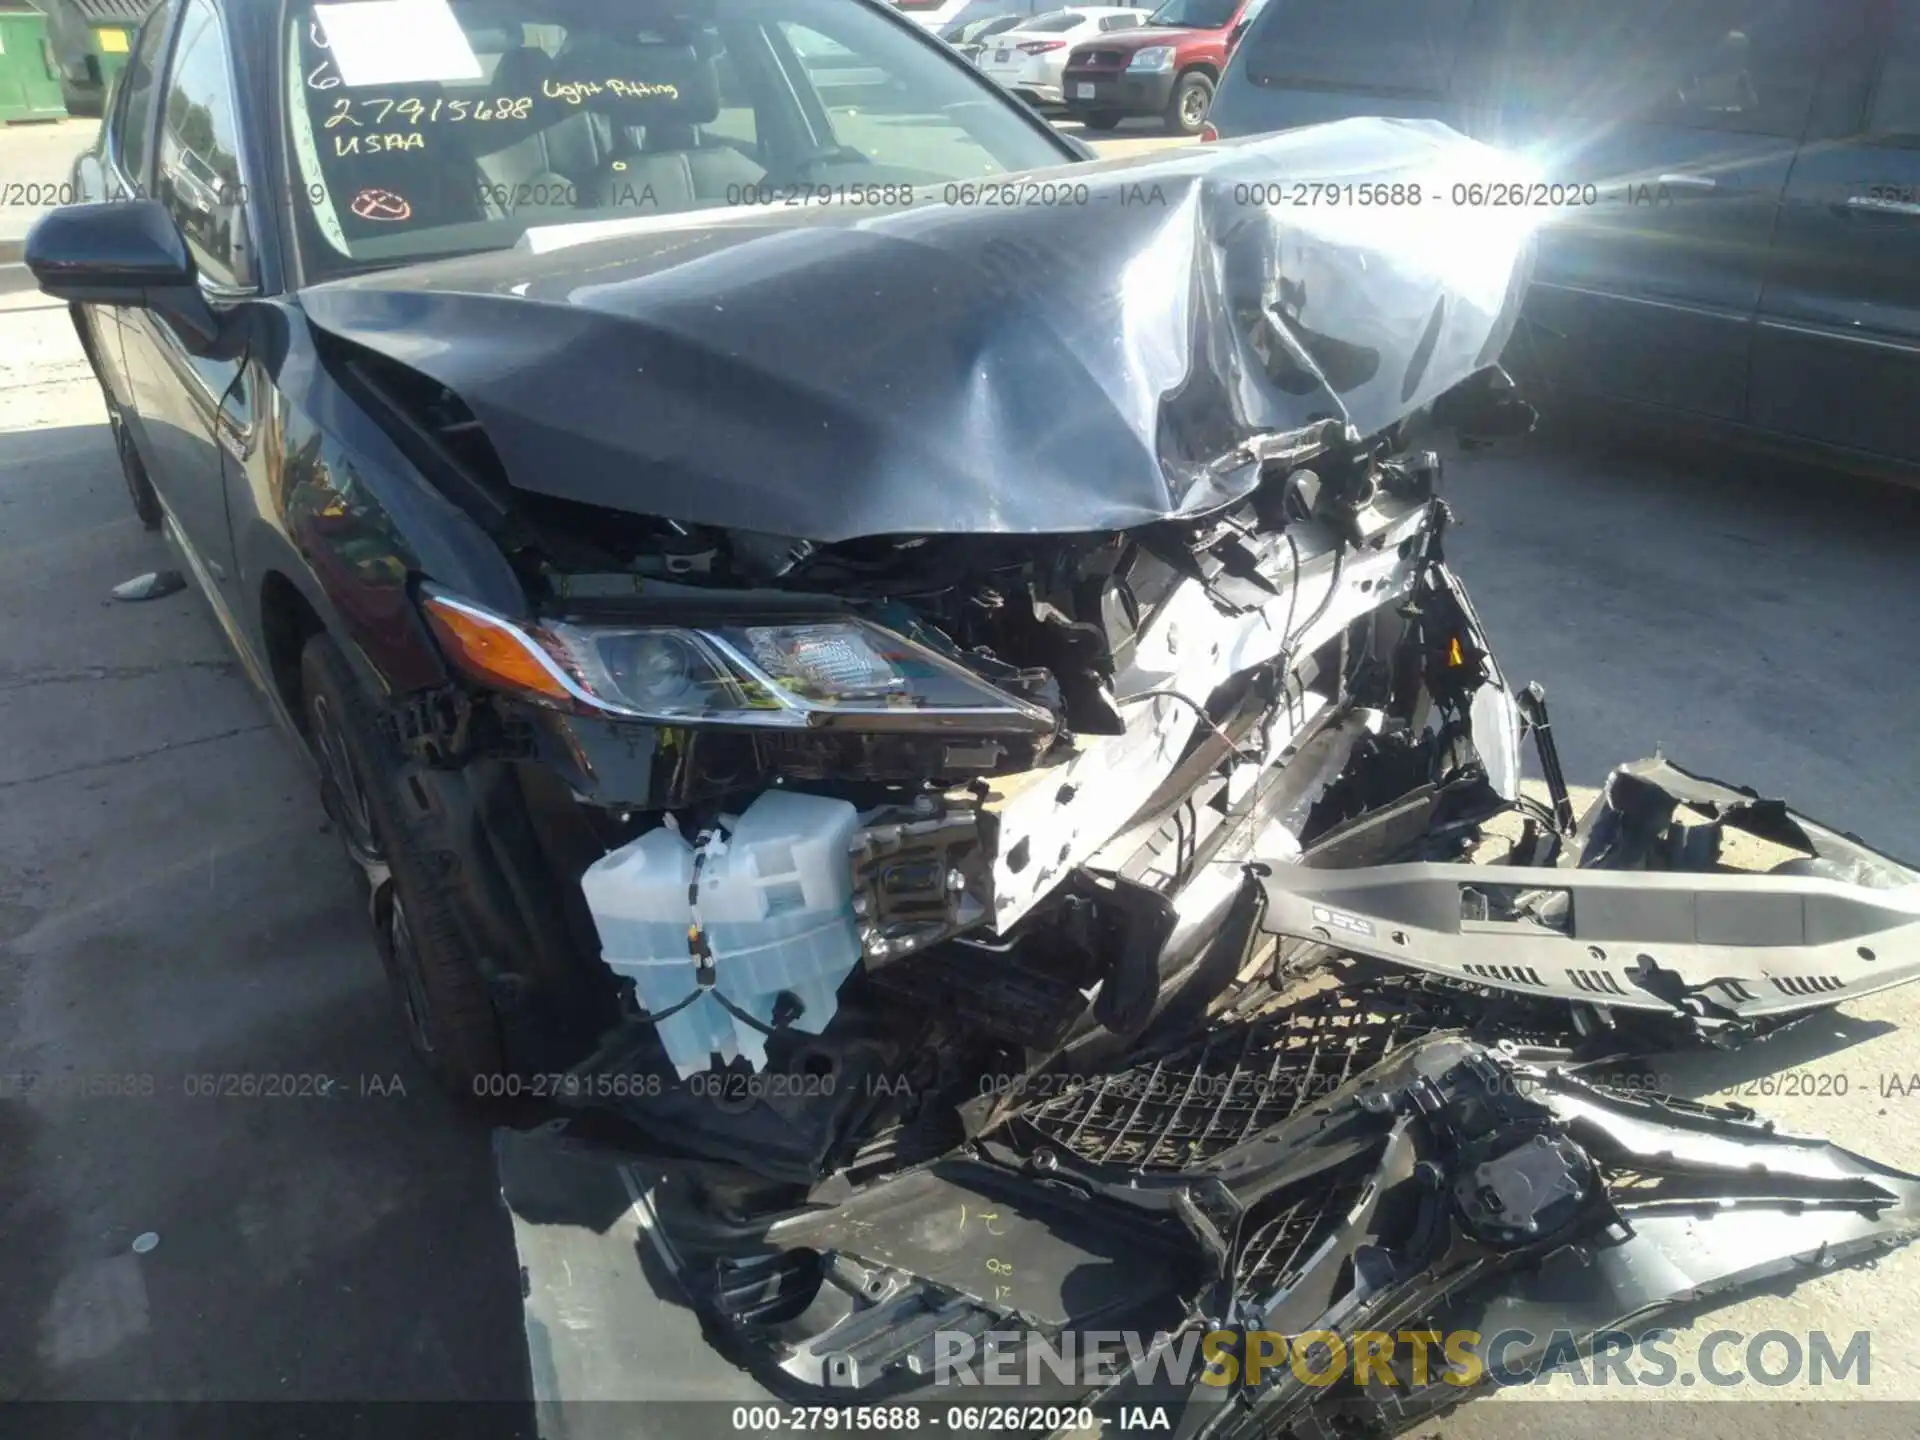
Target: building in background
{"points": [[91, 41]]}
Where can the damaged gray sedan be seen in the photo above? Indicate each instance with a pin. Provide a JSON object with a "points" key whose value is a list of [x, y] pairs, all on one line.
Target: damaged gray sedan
{"points": [[942, 733]]}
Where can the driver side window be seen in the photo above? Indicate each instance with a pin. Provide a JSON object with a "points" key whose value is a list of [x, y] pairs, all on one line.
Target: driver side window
{"points": [[197, 160]]}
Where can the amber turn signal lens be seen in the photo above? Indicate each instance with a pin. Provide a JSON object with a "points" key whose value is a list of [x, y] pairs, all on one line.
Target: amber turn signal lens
{"points": [[493, 651]]}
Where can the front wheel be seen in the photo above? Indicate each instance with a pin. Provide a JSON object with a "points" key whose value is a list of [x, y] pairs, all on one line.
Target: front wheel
{"points": [[146, 504], [438, 984], [1192, 98]]}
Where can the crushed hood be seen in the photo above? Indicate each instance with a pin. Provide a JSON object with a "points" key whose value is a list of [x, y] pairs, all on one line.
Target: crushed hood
{"points": [[1083, 349]]}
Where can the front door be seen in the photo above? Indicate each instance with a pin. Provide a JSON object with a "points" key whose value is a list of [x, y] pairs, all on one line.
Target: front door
{"points": [[1664, 131], [122, 174], [1837, 352], [196, 414]]}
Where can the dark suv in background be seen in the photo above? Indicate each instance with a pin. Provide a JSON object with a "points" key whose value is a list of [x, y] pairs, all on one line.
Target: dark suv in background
{"points": [[1169, 67], [1729, 196]]}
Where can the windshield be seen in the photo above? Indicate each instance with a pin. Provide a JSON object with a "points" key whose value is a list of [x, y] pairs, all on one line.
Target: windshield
{"points": [[1195, 14], [422, 128]]}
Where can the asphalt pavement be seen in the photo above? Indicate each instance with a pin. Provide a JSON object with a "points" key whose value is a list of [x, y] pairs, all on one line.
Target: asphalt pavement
{"points": [[195, 1044], [173, 916]]}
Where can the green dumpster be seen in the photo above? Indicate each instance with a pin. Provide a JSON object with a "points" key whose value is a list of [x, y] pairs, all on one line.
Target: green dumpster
{"points": [[29, 80]]}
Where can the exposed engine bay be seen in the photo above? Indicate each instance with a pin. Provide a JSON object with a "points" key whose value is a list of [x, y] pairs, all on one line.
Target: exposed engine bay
{"points": [[1035, 828], [1170, 746]]}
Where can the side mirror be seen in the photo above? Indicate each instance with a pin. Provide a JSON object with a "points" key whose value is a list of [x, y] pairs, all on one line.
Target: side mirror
{"points": [[122, 252]]}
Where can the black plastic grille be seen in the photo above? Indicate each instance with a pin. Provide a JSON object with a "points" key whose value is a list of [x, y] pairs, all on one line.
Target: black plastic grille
{"points": [[1275, 1251], [1186, 1108]]}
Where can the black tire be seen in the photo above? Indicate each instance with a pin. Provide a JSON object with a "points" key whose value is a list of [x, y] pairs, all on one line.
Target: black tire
{"points": [[1192, 99], [1101, 120], [146, 504], [438, 984]]}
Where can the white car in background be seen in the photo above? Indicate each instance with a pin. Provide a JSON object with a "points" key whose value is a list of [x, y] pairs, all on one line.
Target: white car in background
{"points": [[1031, 59], [972, 38]]}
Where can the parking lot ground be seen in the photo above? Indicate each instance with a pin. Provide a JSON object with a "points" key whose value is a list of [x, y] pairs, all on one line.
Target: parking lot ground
{"points": [[35, 165], [172, 913]]}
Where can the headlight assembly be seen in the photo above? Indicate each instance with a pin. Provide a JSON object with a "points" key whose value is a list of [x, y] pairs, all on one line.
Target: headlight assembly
{"points": [[809, 674], [1152, 57]]}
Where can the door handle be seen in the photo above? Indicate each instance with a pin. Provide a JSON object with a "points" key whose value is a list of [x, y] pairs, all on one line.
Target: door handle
{"points": [[1689, 182], [1880, 205]]}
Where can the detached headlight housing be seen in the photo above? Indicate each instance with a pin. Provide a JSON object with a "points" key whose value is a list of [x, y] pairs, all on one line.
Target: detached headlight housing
{"points": [[1153, 58], [839, 672]]}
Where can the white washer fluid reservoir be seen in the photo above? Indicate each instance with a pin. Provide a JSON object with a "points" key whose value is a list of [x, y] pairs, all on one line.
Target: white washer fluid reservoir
{"points": [[774, 903]]}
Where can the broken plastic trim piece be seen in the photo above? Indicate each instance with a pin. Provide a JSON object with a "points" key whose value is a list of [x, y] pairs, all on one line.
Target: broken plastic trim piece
{"points": [[1707, 946], [154, 585], [1448, 1186], [1532, 704], [1578, 1213]]}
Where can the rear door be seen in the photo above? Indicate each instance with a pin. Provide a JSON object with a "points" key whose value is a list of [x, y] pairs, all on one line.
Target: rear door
{"points": [[1664, 131], [1837, 351]]}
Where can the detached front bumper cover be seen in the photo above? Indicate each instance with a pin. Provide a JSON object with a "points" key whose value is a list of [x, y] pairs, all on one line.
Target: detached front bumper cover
{"points": [[1446, 1186]]}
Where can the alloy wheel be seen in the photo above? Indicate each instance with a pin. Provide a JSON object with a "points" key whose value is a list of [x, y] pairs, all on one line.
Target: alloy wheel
{"points": [[403, 954], [346, 797]]}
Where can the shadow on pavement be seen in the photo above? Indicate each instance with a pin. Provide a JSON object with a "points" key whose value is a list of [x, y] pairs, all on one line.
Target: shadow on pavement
{"points": [[195, 1035]]}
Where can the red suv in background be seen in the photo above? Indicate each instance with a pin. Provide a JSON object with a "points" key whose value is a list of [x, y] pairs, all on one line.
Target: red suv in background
{"points": [[1169, 67]]}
